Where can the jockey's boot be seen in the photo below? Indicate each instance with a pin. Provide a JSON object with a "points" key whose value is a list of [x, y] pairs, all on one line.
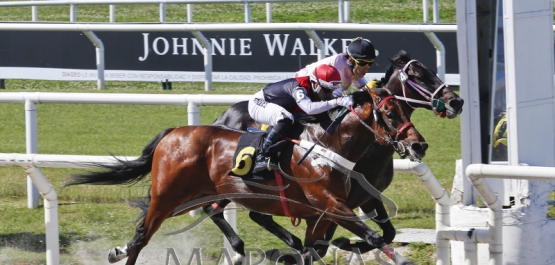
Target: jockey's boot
{"points": [[263, 159]]}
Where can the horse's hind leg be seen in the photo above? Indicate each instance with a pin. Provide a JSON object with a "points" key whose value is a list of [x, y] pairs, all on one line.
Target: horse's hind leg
{"points": [[160, 209], [217, 216]]}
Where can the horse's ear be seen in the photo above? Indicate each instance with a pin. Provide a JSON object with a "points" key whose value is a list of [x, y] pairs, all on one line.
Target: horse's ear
{"points": [[395, 62], [400, 59], [403, 56]]}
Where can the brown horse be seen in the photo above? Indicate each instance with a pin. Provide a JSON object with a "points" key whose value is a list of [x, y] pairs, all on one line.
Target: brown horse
{"points": [[190, 169], [418, 88]]}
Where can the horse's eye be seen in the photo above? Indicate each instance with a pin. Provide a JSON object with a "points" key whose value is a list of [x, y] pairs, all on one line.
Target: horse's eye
{"points": [[390, 114]]}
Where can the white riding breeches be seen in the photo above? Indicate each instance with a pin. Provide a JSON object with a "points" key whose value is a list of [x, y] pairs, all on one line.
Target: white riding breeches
{"points": [[265, 112]]}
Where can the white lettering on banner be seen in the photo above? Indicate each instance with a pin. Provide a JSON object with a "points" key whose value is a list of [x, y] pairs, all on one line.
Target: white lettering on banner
{"points": [[328, 46], [275, 43], [196, 44], [216, 45], [344, 44], [155, 46], [71, 74], [244, 46], [232, 46], [271, 45], [298, 46], [145, 47], [313, 50], [182, 46]]}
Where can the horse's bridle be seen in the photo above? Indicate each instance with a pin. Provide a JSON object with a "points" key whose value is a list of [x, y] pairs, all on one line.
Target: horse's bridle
{"points": [[399, 147], [436, 104]]}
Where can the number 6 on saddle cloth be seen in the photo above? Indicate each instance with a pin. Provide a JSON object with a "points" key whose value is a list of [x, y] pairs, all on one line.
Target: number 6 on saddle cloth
{"points": [[245, 154]]}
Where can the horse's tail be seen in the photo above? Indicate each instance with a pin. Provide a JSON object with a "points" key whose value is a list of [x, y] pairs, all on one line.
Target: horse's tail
{"points": [[123, 171], [143, 204]]}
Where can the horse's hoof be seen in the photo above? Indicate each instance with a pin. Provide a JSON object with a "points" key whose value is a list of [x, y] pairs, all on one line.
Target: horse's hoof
{"points": [[238, 259], [272, 254], [116, 254]]}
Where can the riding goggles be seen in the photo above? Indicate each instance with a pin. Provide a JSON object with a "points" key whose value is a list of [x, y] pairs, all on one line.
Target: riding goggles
{"points": [[363, 63], [329, 85]]}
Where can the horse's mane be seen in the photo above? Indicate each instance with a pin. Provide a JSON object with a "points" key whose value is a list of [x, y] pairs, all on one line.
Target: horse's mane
{"points": [[397, 61]]}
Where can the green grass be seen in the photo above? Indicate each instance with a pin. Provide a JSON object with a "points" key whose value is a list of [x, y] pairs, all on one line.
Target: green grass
{"points": [[362, 11], [94, 219]]}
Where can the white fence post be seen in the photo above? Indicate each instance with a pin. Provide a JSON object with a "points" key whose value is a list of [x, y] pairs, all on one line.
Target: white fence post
{"points": [[99, 58], [31, 142]]}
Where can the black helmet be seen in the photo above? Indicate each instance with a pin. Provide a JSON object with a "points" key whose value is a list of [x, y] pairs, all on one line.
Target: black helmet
{"points": [[362, 49]]}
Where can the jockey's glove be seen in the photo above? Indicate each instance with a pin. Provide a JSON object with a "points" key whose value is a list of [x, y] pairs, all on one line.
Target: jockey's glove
{"points": [[372, 84], [343, 101]]}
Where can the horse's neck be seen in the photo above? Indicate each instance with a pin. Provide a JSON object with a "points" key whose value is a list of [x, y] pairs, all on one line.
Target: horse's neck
{"points": [[407, 109], [396, 89], [350, 139]]}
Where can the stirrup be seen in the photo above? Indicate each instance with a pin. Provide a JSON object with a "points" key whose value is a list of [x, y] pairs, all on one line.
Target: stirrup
{"points": [[268, 164]]}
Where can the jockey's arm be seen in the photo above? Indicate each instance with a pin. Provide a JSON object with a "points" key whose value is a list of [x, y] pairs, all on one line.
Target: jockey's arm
{"points": [[310, 107]]}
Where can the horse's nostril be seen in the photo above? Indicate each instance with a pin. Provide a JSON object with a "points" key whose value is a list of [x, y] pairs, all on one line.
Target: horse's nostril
{"points": [[456, 103], [419, 147]]}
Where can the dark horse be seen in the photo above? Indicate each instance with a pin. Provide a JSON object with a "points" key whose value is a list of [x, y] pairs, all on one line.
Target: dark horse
{"points": [[417, 87], [190, 169]]}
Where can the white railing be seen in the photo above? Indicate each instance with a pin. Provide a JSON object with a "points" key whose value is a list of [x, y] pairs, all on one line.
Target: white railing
{"points": [[30, 163], [31, 99], [196, 29], [526, 223]]}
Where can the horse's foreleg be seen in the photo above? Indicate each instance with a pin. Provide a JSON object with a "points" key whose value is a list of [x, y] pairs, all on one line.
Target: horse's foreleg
{"points": [[347, 219], [381, 218], [316, 243], [269, 224], [217, 216]]}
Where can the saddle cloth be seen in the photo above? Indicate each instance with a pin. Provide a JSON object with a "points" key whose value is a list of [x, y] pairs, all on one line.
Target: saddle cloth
{"points": [[245, 155]]}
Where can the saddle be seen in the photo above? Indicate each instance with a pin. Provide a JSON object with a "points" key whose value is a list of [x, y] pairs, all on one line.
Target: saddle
{"points": [[250, 143]]}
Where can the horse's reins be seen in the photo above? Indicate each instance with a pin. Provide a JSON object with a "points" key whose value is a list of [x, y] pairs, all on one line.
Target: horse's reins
{"points": [[389, 140], [341, 112], [422, 91]]}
